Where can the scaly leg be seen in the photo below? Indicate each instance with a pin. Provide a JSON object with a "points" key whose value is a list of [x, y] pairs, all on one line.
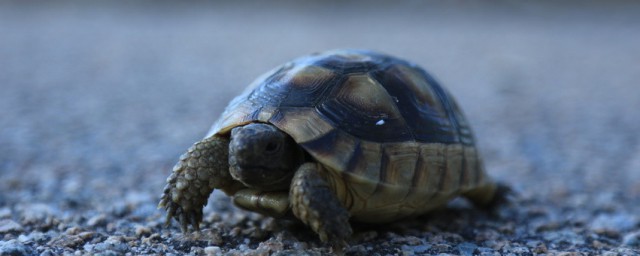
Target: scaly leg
{"points": [[313, 202], [271, 203], [201, 169], [490, 195]]}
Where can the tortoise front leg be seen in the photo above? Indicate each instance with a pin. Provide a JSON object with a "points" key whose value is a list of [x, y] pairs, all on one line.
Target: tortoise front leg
{"points": [[202, 168], [271, 203], [313, 202]]}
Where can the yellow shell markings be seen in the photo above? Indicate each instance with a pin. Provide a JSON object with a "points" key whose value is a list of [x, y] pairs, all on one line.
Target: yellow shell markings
{"points": [[434, 170], [308, 76], [419, 86], [303, 124], [362, 92], [242, 106]]}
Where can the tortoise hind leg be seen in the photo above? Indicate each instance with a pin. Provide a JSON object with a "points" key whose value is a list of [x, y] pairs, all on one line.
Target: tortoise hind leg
{"points": [[201, 169], [489, 195], [313, 202]]}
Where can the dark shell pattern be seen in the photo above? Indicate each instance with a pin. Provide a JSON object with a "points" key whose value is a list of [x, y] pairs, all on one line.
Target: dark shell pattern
{"points": [[390, 134], [368, 95]]}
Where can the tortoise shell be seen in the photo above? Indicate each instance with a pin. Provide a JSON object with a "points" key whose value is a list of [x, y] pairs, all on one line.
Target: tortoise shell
{"points": [[389, 135]]}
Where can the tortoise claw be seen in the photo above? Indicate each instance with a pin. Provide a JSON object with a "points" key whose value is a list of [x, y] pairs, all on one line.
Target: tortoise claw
{"points": [[184, 225], [185, 217], [178, 206]]}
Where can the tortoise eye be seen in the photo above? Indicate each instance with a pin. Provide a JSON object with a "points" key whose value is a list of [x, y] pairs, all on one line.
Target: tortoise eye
{"points": [[272, 147]]}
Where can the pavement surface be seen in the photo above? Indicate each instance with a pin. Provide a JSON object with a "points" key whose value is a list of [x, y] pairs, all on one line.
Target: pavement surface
{"points": [[98, 100]]}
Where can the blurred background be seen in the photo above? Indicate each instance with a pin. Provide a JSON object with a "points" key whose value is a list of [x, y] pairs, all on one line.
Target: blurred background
{"points": [[98, 99]]}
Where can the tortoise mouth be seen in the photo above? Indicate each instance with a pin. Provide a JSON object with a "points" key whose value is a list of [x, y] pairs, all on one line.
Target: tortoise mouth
{"points": [[262, 178]]}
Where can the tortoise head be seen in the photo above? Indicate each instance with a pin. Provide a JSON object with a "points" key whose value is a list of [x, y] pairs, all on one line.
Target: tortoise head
{"points": [[263, 157]]}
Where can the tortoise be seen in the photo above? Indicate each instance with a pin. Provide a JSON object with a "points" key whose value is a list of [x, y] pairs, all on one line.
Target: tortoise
{"points": [[332, 137]]}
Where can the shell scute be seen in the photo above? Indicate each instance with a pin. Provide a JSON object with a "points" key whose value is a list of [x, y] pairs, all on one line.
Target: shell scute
{"points": [[307, 83], [422, 101], [362, 107]]}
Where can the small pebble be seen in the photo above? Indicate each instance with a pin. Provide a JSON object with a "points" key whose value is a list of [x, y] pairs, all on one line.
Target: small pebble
{"points": [[196, 250], [272, 245], [48, 252], [5, 213], [540, 248], [613, 224], [152, 238], [68, 241], [484, 251], [466, 249], [98, 220], [235, 232], [626, 251], [632, 239], [441, 247], [86, 235], [519, 250], [72, 231], [212, 250], [421, 248], [13, 247], [112, 243], [142, 230], [300, 246], [36, 214], [7, 226], [408, 240], [24, 238], [356, 249]]}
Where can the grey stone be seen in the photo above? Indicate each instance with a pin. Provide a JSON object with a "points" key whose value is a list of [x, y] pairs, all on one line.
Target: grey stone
{"points": [[5, 213], [484, 251], [13, 247], [466, 249], [38, 213], [212, 250], [113, 244], [7, 226], [632, 239], [48, 252], [613, 223], [97, 220], [519, 250]]}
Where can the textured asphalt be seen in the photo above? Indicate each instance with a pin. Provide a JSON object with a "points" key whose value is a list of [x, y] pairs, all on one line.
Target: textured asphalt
{"points": [[97, 101]]}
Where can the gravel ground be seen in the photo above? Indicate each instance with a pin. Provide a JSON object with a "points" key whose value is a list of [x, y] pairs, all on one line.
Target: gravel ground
{"points": [[99, 100]]}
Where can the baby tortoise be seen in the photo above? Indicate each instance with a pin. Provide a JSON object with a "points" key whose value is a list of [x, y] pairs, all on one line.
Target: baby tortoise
{"points": [[340, 135]]}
